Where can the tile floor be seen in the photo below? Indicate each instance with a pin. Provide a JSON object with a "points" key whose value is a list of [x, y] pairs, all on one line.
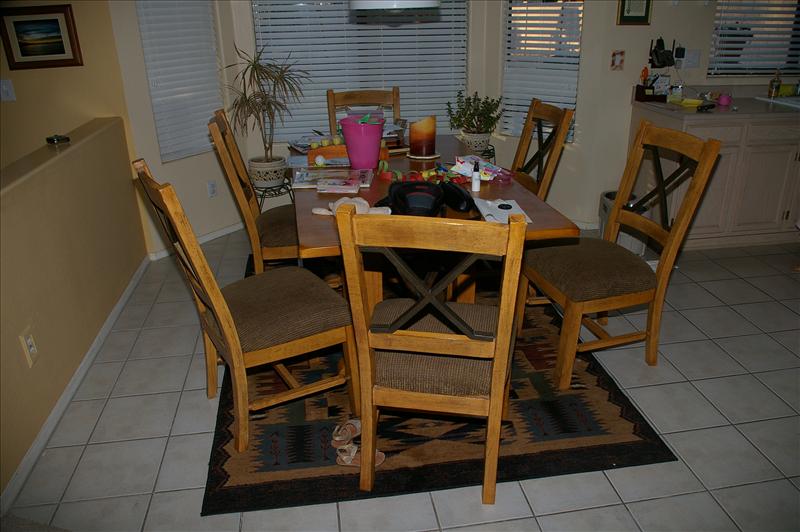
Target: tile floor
{"points": [[131, 451]]}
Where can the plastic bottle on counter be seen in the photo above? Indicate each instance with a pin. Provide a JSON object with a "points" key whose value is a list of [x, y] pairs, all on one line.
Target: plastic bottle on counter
{"points": [[476, 177], [774, 85]]}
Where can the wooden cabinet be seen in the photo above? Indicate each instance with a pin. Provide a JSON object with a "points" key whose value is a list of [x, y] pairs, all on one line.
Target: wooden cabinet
{"points": [[753, 195]]}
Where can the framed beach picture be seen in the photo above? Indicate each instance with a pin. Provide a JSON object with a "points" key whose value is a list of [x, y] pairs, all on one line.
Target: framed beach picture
{"points": [[40, 37], [633, 12]]}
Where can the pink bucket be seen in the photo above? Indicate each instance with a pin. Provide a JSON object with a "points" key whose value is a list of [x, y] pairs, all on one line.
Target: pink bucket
{"points": [[363, 142]]}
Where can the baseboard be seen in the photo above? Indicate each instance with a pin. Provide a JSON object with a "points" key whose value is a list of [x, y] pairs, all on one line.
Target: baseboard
{"points": [[25, 467], [202, 239]]}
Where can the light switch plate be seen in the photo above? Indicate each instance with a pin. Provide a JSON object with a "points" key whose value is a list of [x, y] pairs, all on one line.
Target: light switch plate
{"points": [[692, 59], [7, 91]]}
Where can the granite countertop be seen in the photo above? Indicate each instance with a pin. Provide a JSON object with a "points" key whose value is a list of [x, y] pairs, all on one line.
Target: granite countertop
{"points": [[741, 108]]}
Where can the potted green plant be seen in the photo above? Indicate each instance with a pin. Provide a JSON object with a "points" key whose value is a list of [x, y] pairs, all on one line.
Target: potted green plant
{"points": [[476, 117], [263, 90]]}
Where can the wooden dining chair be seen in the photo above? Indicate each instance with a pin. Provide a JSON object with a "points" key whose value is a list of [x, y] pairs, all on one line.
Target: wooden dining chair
{"points": [[383, 98], [591, 275], [269, 318], [545, 160], [272, 233], [419, 352]]}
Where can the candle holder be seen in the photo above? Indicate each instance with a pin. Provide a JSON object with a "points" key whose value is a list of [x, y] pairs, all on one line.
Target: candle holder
{"points": [[422, 139]]}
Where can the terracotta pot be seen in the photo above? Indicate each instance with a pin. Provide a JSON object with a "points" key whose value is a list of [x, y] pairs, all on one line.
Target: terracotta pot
{"points": [[267, 174], [476, 142]]}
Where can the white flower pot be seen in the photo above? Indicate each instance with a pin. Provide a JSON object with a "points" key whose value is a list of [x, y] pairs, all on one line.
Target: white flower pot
{"points": [[476, 142], [267, 174]]}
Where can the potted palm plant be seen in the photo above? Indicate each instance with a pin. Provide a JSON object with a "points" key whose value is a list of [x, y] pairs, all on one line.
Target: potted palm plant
{"points": [[476, 117], [263, 90]]}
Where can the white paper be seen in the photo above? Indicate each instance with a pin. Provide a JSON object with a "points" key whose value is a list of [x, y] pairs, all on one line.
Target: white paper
{"points": [[491, 211]]}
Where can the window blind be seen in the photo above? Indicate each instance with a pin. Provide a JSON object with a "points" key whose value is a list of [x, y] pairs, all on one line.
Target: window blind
{"points": [[542, 56], [755, 37], [180, 54], [422, 51]]}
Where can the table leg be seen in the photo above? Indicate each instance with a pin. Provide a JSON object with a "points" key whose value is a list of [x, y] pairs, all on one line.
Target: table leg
{"points": [[465, 288]]}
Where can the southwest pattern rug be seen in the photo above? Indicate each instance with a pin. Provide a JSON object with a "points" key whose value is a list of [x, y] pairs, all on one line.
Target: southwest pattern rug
{"points": [[290, 461]]}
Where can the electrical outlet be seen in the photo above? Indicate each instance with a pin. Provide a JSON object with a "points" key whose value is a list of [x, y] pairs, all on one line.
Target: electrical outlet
{"points": [[7, 91], [29, 348], [212, 189]]}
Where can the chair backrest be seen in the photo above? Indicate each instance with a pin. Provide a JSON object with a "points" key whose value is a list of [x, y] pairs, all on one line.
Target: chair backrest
{"points": [[383, 98], [477, 240], [545, 160], [696, 159], [236, 172], [215, 316]]}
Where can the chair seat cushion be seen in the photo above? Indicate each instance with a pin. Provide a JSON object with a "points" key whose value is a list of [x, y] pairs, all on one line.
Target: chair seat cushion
{"points": [[437, 374], [591, 269], [282, 305], [277, 227]]}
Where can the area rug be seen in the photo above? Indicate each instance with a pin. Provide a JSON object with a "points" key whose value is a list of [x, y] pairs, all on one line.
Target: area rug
{"points": [[290, 461]]}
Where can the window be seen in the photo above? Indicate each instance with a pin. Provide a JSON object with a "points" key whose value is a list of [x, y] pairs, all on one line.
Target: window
{"points": [[755, 37], [543, 51], [180, 55], [422, 51]]}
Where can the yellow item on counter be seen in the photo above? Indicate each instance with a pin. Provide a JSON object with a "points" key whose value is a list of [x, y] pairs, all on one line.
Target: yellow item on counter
{"points": [[691, 102]]}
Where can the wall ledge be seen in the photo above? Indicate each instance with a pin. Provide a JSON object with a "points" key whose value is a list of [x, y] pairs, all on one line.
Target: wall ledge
{"points": [[17, 481]]}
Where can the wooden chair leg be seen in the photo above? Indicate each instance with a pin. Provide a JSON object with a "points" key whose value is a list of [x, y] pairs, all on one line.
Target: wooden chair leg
{"points": [[241, 412], [653, 330], [507, 398], [211, 366], [369, 435], [466, 288], [568, 345], [522, 296], [491, 455], [351, 368], [602, 317]]}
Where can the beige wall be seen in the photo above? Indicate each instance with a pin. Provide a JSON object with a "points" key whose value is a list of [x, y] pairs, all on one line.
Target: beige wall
{"points": [[70, 240], [56, 100]]}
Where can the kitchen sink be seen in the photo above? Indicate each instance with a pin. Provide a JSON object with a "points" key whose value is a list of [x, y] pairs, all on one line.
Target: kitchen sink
{"points": [[790, 101]]}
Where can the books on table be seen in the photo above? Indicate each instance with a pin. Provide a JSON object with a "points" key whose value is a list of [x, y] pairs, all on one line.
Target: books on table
{"points": [[333, 180]]}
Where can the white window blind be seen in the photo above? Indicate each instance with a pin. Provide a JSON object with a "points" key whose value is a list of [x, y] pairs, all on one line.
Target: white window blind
{"points": [[543, 51], [755, 37], [180, 54], [422, 51]]}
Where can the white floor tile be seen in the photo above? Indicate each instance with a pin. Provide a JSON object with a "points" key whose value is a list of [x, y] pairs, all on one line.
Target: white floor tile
{"points": [[653, 480], [567, 493], [182, 467], [389, 514], [172, 315], [695, 511], [137, 416], [145, 293], [152, 375], [789, 339], [769, 316], [116, 469], [463, 506], [611, 519], [50, 476], [99, 381], [166, 341], [117, 346], [719, 322], [173, 291], [690, 295], [785, 383], [196, 413], [320, 518], [778, 440], [77, 423], [759, 352], [131, 317], [701, 360], [704, 270], [180, 510], [735, 291], [196, 379], [38, 514], [783, 263], [674, 327], [777, 286], [629, 368], [746, 266], [742, 398], [119, 513], [724, 253], [675, 407], [721, 457], [767, 506], [516, 525]]}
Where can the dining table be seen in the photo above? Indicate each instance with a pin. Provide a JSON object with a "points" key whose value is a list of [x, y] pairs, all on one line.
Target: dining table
{"points": [[318, 237]]}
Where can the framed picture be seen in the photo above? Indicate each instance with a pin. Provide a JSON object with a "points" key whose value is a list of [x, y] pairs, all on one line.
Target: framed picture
{"points": [[40, 37], [634, 12]]}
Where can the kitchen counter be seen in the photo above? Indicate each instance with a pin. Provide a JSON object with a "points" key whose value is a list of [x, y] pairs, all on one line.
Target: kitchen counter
{"points": [[741, 108]]}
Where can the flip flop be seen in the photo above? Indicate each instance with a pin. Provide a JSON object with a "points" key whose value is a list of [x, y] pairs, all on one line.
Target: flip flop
{"points": [[345, 432], [350, 455]]}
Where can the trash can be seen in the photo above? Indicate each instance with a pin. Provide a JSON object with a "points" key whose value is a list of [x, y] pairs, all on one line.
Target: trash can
{"points": [[624, 239]]}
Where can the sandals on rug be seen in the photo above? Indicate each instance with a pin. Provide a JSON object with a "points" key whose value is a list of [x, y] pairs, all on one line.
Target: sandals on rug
{"points": [[344, 433], [350, 455]]}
